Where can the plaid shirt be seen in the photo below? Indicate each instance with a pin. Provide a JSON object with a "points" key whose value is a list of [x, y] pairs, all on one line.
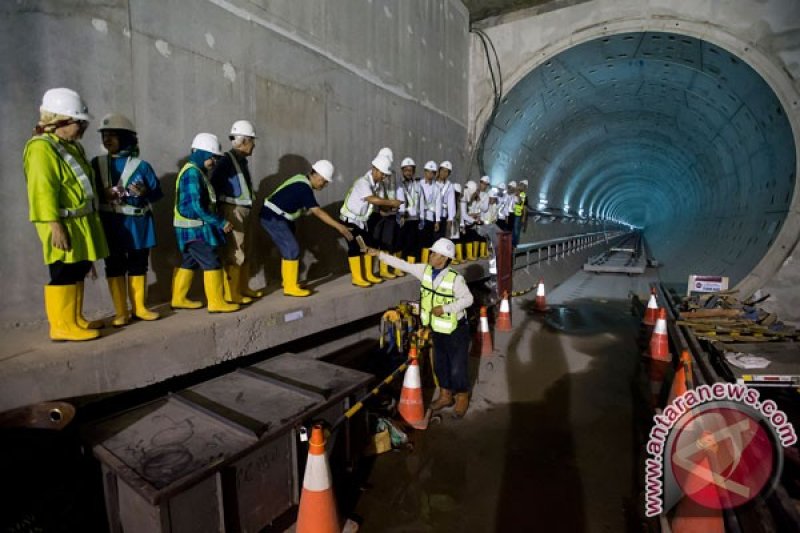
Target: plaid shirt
{"points": [[193, 202]]}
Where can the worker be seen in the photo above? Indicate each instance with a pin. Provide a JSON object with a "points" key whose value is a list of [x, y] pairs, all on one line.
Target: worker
{"points": [[200, 230], [291, 199], [129, 186], [383, 224], [233, 186], [454, 225], [62, 203], [408, 213], [469, 236], [502, 203], [521, 211], [508, 207], [444, 299], [479, 212], [445, 200], [429, 214], [358, 205]]}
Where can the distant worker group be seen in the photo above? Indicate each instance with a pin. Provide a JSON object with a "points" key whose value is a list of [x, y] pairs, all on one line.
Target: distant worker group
{"points": [[86, 211]]}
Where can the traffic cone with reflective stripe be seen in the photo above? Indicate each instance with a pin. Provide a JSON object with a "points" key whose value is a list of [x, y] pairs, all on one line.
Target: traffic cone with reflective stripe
{"points": [[659, 343], [317, 512], [503, 322], [683, 377], [412, 407], [483, 339], [651, 313], [541, 301]]}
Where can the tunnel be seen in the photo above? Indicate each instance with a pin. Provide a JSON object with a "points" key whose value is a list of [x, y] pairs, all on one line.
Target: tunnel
{"points": [[657, 131]]}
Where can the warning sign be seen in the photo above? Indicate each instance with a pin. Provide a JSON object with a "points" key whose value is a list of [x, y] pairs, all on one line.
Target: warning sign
{"points": [[706, 284]]}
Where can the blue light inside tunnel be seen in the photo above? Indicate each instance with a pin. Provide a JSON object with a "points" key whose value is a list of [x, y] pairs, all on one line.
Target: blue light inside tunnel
{"points": [[659, 131]]}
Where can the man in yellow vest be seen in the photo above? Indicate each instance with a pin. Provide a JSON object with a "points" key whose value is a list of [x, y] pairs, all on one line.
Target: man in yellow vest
{"points": [[286, 204], [444, 299]]}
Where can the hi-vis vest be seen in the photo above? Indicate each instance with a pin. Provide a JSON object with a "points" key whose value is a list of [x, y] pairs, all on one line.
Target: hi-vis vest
{"points": [[361, 217], [519, 207], [299, 178], [430, 297], [80, 175], [132, 163], [180, 221], [245, 197]]}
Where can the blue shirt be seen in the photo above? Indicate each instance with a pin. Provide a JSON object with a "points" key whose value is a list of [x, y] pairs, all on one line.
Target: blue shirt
{"points": [[194, 202], [129, 232], [295, 197], [225, 179]]}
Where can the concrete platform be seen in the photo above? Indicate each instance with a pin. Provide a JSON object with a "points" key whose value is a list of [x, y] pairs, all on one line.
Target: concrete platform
{"points": [[35, 369]]}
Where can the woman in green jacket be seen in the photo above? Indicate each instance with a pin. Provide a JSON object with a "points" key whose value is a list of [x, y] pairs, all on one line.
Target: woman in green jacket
{"points": [[63, 206]]}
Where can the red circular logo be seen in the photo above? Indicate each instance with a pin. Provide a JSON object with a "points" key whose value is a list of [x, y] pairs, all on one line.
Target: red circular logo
{"points": [[722, 458]]}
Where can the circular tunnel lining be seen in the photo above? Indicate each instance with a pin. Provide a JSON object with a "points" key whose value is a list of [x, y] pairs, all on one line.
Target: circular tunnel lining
{"points": [[659, 131]]}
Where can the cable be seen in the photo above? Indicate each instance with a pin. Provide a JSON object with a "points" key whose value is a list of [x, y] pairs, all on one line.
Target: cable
{"points": [[496, 77]]}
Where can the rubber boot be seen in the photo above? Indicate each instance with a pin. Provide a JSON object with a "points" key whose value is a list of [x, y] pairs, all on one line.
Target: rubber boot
{"points": [[424, 258], [462, 404], [368, 275], [79, 320], [119, 295], [60, 304], [289, 272], [484, 251], [355, 272], [445, 399], [397, 272], [181, 281], [244, 287], [411, 259], [459, 252], [212, 283], [383, 270], [459, 257], [471, 251], [137, 292], [232, 283]]}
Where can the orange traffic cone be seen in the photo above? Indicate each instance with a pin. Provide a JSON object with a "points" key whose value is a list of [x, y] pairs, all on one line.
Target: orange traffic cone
{"points": [[683, 377], [651, 313], [483, 339], [657, 371], [412, 408], [541, 301], [503, 322], [317, 513], [659, 344], [692, 517]]}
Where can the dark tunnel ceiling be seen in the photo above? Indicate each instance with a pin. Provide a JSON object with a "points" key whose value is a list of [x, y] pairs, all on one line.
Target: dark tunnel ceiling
{"points": [[659, 131]]}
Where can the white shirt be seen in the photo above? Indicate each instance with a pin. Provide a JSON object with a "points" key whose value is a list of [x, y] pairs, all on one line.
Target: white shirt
{"points": [[429, 196], [356, 203], [446, 201], [408, 192]]}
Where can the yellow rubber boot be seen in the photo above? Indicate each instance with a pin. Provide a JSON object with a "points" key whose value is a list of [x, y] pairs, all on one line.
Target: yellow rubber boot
{"points": [[368, 275], [137, 292], [119, 295], [471, 256], [60, 304], [397, 272], [79, 320], [383, 270], [411, 259], [459, 254], [484, 250], [212, 282], [244, 287], [232, 283], [289, 272], [181, 281], [355, 272], [424, 258]]}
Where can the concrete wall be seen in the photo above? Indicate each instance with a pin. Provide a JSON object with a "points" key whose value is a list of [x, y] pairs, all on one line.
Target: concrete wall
{"points": [[766, 34], [335, 80]]}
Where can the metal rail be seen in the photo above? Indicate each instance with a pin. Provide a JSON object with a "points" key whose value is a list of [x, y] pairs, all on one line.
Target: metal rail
{"points": [[560, 247]]}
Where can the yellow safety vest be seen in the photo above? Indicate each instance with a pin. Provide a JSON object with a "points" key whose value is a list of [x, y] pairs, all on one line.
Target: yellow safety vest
{"points": [[519, 207], [245, 197], [430, 297], [131, 164], [80, 175], [346, 213], [299, 178], [180, 221]]}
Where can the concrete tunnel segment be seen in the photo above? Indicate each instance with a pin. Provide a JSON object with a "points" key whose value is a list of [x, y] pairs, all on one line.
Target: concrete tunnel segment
{"points": [[679, 128]]}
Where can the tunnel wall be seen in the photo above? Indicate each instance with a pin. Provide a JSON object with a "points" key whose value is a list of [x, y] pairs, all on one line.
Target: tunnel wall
{"points": [[763, 34], [336, 80]]}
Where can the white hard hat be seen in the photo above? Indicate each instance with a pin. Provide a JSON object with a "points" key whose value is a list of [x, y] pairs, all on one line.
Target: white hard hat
{"points": [[387, 153], [472, 186], [524, 182], [383, 164], [444, 247], [431, 165], [408, 162], [501, 186], [493, 193], [446, 164], [65, 102], [486, 179], [243, 127], [324, 168], [207, 142], [457, 187], [512, 183], [116, 121]]}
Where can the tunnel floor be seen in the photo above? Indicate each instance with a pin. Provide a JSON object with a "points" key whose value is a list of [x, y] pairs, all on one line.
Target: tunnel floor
{"points": [[550, 441]]}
